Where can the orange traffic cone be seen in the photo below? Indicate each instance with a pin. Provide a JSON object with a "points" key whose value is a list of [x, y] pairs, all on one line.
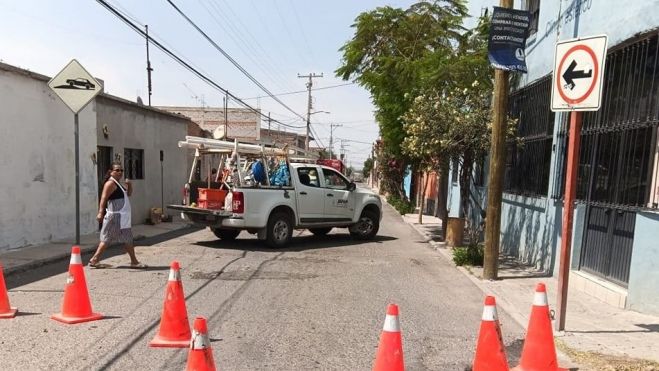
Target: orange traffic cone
{"points": [[490, 351], [6, 311], [390, 350], [174, 324], [539, 351], [200, 356], [76, 306]]}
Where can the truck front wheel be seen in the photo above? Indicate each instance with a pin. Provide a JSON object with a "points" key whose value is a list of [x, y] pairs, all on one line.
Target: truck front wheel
{"points": [[280, 230], [367, 226], [226, 234]]}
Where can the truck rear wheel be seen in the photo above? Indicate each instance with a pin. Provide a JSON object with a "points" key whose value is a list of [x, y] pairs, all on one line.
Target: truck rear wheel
{"points": [[226, 234], [367, 226], [280, 230]]}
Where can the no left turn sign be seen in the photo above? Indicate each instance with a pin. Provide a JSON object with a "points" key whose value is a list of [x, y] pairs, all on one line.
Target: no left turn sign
{"points": [[578, 71]]}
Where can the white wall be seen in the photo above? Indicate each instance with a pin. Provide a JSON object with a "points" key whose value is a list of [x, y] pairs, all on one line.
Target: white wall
{"points": [[139, 127], [37, 180]]}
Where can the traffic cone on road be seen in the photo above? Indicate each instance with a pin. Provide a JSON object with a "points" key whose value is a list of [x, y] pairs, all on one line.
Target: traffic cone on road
{"points": [[490, 351], [6, 311], [390, 349], [174, 324], [200, 356], [539, 351], [76, 306]]}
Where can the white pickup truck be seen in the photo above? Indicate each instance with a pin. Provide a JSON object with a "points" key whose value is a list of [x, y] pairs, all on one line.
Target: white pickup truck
{"points": [[318, 199]]}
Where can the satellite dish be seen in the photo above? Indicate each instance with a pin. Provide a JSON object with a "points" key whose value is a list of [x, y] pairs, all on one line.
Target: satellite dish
{"points": [[139, 101]]}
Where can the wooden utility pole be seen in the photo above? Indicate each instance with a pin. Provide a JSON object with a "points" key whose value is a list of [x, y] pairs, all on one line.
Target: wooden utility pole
{"points": [[497, 166], [310, 76], [148, 63]]}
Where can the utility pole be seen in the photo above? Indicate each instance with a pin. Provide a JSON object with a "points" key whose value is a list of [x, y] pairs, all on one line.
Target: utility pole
{"points": [[310, 76], [226, 115], [331, 144], [497, 165], [148, 63], [269, 131]]}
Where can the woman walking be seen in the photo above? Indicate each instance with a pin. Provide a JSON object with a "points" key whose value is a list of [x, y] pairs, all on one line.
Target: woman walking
{"points": [[114, 211]]}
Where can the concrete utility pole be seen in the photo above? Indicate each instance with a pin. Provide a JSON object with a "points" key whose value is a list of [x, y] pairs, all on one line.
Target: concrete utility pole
{"points": [[310, 76], [497, 166], [331, 145], [148, 63]]}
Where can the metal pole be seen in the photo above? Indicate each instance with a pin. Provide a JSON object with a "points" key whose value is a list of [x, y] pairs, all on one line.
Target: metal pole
{"points": [[162, 183], [497, 169], [77, 170], [568, 214]]}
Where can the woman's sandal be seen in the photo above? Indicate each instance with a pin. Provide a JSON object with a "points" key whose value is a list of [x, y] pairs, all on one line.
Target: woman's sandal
{"points": [[139, 266], [97, 265]]}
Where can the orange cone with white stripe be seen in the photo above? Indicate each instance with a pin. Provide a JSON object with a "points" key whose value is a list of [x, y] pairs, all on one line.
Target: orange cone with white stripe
{"points": [[200, 356], [6, 311], [390, 350], [76, 306], [539, 352], [174, 329], [490, 351]]}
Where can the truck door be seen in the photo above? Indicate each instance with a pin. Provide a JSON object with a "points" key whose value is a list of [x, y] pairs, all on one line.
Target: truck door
{"points": [[339, 201], [310, 195]]}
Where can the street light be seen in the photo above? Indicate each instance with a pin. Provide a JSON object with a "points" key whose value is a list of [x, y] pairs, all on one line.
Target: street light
{"points": [[306, 140]]}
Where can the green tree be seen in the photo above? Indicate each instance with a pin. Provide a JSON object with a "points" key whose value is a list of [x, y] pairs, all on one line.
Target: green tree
{"points": [[368, 166], [393, 54], [450, 117]]}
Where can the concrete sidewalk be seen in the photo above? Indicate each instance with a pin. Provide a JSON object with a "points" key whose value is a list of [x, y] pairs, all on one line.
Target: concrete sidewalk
{"points": [[26, 258], [591, 325]]}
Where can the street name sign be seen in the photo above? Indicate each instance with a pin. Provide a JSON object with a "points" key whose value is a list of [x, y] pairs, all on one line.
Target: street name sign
{"points": [[578, 72], [75, 86]]}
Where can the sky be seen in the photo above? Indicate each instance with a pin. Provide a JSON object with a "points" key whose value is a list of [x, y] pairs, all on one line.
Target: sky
{"points": [[272, 40]]}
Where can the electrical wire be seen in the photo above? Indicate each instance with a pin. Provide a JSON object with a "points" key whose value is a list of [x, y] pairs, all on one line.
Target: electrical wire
{"points": [[302, 91], [233, 61], [182, 62]]}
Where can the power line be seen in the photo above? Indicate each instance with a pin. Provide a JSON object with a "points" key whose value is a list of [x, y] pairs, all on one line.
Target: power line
{"points": [[302, 91], [178, 59], [233, 61]]}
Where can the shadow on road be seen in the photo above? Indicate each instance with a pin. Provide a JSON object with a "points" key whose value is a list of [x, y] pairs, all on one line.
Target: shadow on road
{"points": [[61, 265], [297, 244]]}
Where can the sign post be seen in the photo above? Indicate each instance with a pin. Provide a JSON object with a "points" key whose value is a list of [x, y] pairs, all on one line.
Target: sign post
{"points": [[76, 88], [576, 87]]}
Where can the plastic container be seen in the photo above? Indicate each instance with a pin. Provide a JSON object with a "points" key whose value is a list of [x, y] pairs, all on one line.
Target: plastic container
{"points": [[208, 194]]}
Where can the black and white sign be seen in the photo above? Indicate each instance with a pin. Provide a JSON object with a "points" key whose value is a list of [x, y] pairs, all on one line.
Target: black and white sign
{"points": [[578, 72], [75, 86]]}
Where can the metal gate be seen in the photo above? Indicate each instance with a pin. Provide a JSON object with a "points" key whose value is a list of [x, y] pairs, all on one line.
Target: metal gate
{"points": [[617, 157], [607, 246], [103, 164]]}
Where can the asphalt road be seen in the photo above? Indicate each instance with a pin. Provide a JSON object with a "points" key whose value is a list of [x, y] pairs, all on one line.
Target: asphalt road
{"points": [[319, 304]]}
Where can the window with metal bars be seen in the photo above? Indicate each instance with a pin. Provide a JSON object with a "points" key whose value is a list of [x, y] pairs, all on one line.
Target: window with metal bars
{"points": [[617, 163], [133, 163], [528, 160]]}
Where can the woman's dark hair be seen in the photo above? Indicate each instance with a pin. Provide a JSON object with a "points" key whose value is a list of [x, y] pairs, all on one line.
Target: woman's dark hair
{"points": [[109, 172]]}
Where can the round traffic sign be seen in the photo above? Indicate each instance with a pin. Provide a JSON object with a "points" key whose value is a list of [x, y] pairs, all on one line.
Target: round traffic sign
{"points": [[582, 57]]}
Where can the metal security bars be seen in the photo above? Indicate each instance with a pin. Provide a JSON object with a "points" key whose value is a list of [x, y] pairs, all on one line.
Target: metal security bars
{"points": [[618, 158], [528, 160], [618, 142]]}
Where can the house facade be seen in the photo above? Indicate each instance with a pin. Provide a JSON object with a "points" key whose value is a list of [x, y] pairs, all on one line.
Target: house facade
{"points": [[615, 256], [37, 187]]}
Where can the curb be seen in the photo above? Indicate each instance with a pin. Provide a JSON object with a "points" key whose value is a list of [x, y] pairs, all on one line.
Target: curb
{"points": [[444, 251], [84, 249]]}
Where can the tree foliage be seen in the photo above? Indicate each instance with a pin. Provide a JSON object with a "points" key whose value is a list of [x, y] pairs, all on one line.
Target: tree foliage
{"points": [[394, 53]]}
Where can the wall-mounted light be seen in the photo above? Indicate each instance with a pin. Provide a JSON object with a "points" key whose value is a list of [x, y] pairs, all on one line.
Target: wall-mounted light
{"points": [[106, 131]]}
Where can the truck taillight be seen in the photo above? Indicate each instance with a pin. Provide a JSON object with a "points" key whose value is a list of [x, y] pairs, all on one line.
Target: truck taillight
{"points": [[238, 204], [186, 194]]}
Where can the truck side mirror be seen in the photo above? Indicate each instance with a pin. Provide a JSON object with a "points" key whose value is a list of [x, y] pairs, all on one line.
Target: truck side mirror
{"points": [[352, 186]]}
